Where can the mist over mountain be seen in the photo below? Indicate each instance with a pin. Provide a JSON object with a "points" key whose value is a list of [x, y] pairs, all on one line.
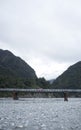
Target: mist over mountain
{"points": [[70, 79], [51, 81]]}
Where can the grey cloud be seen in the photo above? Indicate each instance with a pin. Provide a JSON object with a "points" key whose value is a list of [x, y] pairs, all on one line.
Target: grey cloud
{"points": [[46, 29]]}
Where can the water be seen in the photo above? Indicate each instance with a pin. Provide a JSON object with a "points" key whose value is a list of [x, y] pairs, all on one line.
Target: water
{"points": [[40, 114]]}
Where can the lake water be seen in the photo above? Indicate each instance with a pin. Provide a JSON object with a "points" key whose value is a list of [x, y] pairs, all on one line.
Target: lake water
{"points": [[40, 114]]}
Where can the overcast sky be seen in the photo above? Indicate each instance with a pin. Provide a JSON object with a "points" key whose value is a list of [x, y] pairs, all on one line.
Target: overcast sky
{"points": [[45, 33]]}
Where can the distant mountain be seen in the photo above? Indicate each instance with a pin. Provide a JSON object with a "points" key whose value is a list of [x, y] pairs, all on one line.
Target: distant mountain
{"points": [[51, 81], [70, 79]]}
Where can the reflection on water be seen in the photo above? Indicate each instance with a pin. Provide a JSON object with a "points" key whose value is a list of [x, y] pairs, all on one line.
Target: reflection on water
{"points": [[40, 114]]}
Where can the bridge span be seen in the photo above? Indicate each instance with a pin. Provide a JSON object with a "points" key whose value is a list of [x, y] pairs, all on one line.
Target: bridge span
{"points": [[38, 90], [16, 93]]}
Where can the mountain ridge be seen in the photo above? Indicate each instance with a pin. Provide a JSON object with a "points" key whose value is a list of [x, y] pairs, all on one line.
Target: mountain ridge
{"points": [[15, 64], [69, 79]]}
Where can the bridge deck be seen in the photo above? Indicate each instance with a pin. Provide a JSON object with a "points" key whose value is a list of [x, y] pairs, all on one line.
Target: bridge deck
{"points": [[39, 90]]}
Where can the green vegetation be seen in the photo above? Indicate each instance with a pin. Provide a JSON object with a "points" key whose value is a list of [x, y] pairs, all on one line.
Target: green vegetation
{"points": [[42, 83]]}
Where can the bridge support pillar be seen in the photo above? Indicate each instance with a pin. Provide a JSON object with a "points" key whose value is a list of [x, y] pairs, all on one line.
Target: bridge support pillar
{"points": [[65, 96], [15, 95]]}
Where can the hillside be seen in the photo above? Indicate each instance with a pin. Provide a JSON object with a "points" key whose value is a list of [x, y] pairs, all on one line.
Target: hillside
{"points": [[14, 66], [71, 78], [16, 73]]}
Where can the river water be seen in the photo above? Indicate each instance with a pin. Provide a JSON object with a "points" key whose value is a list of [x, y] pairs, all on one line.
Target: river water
{"points": [[40, 114]]}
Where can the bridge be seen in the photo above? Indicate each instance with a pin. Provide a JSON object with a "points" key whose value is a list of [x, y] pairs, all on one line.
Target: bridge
{"points": [[39, 92]]}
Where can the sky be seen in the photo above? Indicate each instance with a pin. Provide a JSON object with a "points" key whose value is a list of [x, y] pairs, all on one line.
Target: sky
{"points": [[45, 33]]}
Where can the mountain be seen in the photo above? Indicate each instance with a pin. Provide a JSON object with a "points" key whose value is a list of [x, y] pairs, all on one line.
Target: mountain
{"points": [[14, 71], [70, 79], [14, 65], [51, 81]]}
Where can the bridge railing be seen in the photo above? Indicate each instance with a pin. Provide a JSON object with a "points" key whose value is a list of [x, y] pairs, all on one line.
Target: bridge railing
{"points": [[39, 90]]}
